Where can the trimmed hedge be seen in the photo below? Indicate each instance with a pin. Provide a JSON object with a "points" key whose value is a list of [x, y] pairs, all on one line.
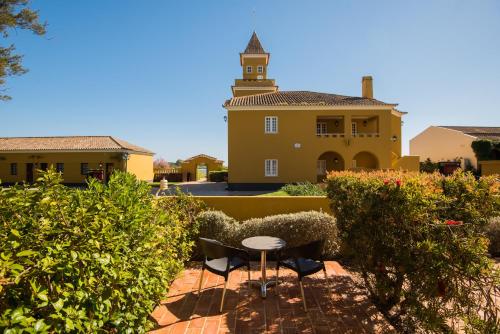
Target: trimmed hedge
{"points": [[295, 228], [218, 176], [303, 189], [418, 243], [95, 260]]}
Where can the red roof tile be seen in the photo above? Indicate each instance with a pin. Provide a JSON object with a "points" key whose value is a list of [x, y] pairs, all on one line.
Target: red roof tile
{"points": [[301, 98], [69, 143]]}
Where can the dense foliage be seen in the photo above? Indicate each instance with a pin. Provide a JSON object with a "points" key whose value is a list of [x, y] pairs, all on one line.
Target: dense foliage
{"points": [[417, 241], [90, 260], [428, 166], [217, 176], [304, 189], [295, 228], [486, 149], [493, 234], [14, 15]]}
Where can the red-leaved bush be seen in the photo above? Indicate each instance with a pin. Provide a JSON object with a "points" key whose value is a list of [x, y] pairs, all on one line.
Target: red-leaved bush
{"points": [[418, 243]]}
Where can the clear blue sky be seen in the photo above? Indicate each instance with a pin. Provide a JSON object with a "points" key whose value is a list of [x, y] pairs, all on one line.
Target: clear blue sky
{"points": [[156, 73]]}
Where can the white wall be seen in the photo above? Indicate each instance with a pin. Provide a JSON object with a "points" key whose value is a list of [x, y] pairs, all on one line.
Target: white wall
{"points": [[440, 144]]}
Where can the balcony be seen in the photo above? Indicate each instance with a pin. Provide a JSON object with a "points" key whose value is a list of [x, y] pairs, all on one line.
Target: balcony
{"points": [[335, 127], [330, 126]]}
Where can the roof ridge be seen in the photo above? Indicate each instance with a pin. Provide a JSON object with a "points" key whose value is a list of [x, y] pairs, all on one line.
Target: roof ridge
{"points": [[117, 143], [79, 136]]}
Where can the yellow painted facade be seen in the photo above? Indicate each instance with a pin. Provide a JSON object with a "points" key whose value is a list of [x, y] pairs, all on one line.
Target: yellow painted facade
{"points": [[311, 140], [139, 164], [490, 167], [190, 166], [246, 207]]}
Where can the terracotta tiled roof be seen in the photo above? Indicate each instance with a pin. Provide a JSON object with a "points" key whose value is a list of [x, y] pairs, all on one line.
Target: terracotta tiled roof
{"points": [[486, 132], [69, 143], [254, 46], [301, 98], [203, 156]]}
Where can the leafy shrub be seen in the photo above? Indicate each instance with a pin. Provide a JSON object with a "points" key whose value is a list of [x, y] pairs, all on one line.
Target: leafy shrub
{"points": [[304, 189], [217, 176], [493, 233], [486, 149], [295, 228], [417, 242], [91, 260], [428, 166], [185, 208]]}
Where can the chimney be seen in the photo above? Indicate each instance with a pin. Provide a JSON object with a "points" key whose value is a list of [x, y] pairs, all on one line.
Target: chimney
{"points": [[367, 87]]}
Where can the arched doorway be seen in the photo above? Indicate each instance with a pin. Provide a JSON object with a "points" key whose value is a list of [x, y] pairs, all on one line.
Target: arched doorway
{"points": [[201, 172], [327, 162], [365, 161]]}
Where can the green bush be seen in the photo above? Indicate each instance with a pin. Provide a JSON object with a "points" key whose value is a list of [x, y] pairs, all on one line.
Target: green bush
{"points": [[218, 176], [304, 189], [417, 241], [428, 166], [486, 149], [91, 260], [295, 228], [493, 234]]}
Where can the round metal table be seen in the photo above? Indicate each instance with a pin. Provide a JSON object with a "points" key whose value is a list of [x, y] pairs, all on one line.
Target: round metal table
{"points": [[263, 244]]}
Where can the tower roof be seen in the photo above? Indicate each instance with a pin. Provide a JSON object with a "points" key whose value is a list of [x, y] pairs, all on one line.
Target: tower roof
{"points": [[254, 46]]}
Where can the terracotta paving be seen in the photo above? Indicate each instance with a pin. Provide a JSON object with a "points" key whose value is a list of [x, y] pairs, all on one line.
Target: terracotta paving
{"points": [[345, 310]]}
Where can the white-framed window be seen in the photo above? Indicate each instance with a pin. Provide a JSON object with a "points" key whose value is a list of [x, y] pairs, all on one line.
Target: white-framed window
{"points": [[260, 69], [354, 128], [271, 124], [249, 69], [271, 167], [321, 128], [321, 167]]}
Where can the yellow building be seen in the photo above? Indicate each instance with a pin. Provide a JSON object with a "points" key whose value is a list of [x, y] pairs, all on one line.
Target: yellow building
{"points": [[22, 158], [277, 137], [191, 166]]}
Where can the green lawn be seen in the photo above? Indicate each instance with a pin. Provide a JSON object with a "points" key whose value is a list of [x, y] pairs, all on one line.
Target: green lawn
{"points": [[157, 184], [276, 193]]}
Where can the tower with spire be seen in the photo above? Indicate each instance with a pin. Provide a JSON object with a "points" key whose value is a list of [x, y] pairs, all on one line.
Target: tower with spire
{"points": [[254, 61]]}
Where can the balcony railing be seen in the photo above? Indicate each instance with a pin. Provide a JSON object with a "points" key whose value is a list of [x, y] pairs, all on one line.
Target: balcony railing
{"points": [[366, 135], [342, 135], [333, 135]]}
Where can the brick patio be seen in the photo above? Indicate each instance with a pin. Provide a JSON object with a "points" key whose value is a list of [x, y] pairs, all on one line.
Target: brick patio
{"points": [[346, 310]]}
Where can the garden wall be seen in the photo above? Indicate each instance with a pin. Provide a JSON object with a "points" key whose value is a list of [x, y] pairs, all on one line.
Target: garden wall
{"points": [[245, 207], [490, 167]]}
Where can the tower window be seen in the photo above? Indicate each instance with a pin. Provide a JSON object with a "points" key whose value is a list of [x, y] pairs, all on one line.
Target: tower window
{"points": [[271, 124], [260, 69], [249, 69]]}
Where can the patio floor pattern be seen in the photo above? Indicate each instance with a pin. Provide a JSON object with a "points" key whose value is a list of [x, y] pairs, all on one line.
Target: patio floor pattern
{"points": [[339, 307]]}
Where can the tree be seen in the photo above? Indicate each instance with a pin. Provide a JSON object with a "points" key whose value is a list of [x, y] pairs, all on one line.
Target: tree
{"points": [[15, 14], [161, 164]]}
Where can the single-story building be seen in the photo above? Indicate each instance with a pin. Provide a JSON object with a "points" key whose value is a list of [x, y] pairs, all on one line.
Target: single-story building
{"points": [[451, 143], [190, 166], [22, 158]]}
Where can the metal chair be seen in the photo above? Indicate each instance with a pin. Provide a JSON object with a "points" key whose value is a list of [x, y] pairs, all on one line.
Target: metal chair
{"points": [[221, 260], [305, 260]]}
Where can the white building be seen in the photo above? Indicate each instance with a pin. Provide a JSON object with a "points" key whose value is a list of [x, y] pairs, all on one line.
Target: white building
{"points": [[449, 143]]}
